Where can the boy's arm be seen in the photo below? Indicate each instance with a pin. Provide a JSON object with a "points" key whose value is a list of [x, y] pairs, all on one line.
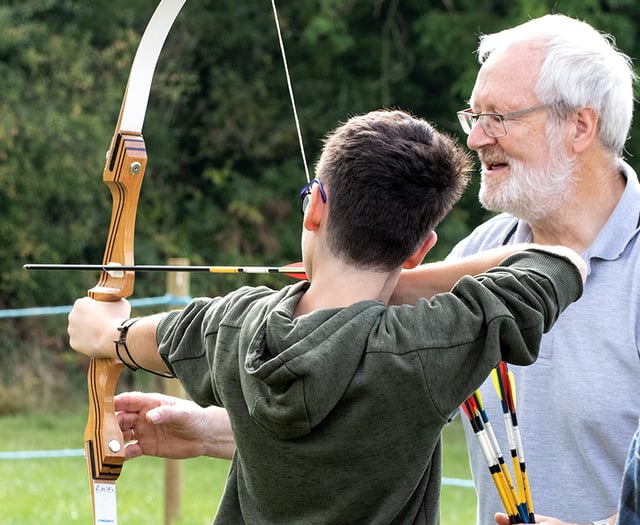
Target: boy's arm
{"points": [[432, 278], [93, 328]]}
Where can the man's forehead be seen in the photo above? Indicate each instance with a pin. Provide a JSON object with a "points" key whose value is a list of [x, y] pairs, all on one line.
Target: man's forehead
{"points": [[508, 76]]}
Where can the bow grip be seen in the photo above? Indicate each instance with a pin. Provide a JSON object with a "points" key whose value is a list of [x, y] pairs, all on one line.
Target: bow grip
{"points": [[104, 443]]}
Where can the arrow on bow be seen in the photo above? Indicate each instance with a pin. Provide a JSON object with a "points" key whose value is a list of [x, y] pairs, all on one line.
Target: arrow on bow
{"points": [[123, 173], [295, 270]]}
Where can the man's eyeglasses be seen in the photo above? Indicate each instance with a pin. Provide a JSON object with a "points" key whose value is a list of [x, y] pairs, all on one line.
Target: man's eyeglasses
{"points": [[305, 194], [492, 123]]}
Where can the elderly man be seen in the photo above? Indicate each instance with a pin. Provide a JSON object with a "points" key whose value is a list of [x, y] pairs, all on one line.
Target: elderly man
{"points": [[550, 140]]}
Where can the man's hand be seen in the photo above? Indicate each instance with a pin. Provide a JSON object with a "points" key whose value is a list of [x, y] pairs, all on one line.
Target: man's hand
{"points": [[503, 519], [170, 427]]}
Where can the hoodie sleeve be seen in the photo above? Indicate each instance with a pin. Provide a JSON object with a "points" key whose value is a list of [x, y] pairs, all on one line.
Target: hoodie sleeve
{"points": [[497, 315], [529, 289], [555, 278], [181, 336]]}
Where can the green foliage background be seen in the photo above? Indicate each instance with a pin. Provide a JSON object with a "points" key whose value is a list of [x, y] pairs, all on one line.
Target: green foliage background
{"points": [[224, 163]]}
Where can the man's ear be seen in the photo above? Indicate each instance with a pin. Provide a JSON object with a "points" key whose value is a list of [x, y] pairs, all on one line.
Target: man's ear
{"points": [[419, 255], [586, 129]]}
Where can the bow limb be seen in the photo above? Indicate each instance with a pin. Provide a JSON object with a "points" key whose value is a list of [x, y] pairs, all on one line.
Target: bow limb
{"points": [[123, 174]]}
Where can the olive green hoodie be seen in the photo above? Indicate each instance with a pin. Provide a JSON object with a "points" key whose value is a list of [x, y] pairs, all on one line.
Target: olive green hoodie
{"points": [[337, 414]]}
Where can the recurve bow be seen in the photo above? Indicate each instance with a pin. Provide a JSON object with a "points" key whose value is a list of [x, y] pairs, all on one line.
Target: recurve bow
{"points": [[123, 173]]}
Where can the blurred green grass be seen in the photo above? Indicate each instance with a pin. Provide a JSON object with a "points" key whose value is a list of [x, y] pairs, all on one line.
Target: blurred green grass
{"points": [[55, 491]]}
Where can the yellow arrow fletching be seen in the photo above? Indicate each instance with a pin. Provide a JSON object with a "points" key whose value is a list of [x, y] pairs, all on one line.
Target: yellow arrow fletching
{"points": [[512, 380], [496, 383]]}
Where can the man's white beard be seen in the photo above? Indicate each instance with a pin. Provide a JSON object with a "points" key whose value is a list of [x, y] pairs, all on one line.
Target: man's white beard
{"points": [[533, 193]]}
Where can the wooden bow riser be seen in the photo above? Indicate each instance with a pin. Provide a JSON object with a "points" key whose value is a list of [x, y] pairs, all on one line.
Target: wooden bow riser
{"points": [[123, 175]]}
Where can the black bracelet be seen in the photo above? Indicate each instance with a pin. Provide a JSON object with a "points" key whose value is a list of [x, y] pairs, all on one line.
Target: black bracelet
{"points": [[122, 341]]}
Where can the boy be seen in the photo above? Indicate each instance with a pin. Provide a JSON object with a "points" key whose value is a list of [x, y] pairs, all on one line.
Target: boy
{"points": [[322, 380]]}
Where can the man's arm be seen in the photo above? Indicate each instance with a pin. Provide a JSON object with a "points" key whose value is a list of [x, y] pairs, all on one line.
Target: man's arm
{"points": [[170, 427]]}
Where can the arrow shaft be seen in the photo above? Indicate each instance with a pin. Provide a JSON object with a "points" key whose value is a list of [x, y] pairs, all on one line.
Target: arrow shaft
{"points": [[166, 268]]}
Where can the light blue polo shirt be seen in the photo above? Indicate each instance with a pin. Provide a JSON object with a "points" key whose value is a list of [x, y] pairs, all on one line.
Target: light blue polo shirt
{"points": [[578, 405]]}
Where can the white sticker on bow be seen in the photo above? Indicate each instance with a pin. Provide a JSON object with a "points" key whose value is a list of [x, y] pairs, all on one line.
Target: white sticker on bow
{"points": [[105, 504]]}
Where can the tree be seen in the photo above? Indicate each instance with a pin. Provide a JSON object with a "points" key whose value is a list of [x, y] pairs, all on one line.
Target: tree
{"points": [[224, 162]]}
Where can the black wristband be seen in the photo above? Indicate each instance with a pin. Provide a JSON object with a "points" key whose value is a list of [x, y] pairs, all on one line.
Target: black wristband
{"points": [[130, 362], [122, 341]]}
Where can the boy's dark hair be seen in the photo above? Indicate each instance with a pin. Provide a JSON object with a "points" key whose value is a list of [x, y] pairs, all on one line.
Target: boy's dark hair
{"points": [[390, 179]]}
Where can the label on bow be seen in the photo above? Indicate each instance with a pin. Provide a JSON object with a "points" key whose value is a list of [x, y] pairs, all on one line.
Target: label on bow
{"points": [[105, 504]]}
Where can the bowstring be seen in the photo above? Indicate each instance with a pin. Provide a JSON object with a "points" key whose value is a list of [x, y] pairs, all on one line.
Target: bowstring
{"points": [[293, 101]]}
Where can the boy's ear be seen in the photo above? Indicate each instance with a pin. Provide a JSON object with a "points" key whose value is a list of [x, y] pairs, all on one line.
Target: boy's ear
{"points": [[315, 210], [419, 255]]}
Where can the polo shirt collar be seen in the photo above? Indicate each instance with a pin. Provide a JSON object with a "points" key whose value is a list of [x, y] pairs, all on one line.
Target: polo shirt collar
{"points": [[621, 227]]}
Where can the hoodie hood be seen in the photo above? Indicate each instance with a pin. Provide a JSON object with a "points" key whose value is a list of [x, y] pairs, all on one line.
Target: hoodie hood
{"points": [[296, 370]]}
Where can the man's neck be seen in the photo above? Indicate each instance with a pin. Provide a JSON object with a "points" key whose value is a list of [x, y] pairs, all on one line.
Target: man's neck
{"points": [[581, 218]]}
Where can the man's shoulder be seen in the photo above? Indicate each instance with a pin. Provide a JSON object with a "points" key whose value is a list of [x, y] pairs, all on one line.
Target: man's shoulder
{"points": [[497, 231], [497, 225]]}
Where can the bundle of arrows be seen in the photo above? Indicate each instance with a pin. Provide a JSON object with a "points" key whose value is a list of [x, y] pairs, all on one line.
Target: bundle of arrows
{"points": [[515, 498]]}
